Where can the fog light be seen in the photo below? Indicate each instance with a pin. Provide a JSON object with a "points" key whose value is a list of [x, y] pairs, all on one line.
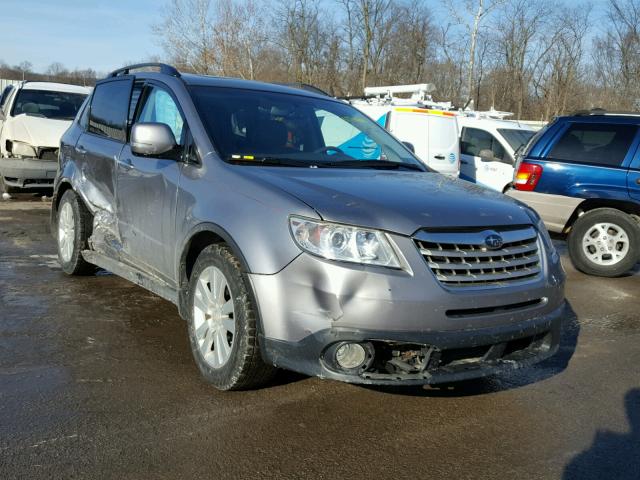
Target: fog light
{"points": [[351, 355]]}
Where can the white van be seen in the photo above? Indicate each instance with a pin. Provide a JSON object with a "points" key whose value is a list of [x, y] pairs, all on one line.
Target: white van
{"points": [[487, 149], [431, 131]]}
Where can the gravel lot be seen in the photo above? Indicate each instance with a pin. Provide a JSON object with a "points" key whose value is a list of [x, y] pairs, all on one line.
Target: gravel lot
{"points": [[97, 381]]}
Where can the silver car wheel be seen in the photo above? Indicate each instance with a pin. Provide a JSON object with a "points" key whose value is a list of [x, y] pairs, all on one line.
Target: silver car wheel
{"points": [[213, 317], [66, 232], [605, 244]]}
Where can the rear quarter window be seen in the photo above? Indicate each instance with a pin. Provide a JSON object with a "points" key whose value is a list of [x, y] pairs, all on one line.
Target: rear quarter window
{"points": [[594, 143], [110, 109]]}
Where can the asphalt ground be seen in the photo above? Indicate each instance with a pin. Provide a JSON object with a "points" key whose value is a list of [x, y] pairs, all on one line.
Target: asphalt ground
{"points": [[97, 381]]}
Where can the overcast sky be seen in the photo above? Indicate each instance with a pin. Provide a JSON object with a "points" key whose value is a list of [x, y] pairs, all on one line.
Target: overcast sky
{"points": [[98, 34]]}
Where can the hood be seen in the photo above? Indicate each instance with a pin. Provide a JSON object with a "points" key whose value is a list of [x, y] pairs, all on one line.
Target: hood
{"points": [[36, 131], [401, 202]]}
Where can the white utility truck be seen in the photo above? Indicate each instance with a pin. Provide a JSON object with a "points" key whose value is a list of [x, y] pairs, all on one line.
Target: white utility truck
{"points": [[427, 127]]}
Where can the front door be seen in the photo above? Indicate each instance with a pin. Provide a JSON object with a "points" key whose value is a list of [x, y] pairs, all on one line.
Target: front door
{"points": [[484, 160], [148, 187]]}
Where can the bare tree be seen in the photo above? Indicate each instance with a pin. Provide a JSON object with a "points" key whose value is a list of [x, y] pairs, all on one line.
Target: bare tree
{"points": [[187, 35]]}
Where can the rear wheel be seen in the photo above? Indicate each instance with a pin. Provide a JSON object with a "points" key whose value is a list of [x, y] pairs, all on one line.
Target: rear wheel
{"points": [[74, 229], [223, 323], [604, 242]]}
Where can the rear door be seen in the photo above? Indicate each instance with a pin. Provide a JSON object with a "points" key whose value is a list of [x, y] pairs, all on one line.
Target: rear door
{"points": [[484, 160], [97, 151], [444, 149], [411, 127], [148, 186]]}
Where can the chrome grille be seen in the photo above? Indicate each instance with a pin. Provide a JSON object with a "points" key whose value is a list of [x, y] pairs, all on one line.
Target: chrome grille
{"points": [[462, 258]]}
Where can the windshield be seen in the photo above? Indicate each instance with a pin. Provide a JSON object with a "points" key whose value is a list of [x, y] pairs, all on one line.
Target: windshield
{"points": [[251, 126], [516, 138], [48, 104]]}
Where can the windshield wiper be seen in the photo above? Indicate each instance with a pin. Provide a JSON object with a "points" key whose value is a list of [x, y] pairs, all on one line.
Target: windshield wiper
{"points": [[376, 164], [270, 161]]}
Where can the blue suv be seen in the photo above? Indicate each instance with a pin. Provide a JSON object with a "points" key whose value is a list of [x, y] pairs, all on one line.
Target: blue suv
{"points": [[582, 175]]}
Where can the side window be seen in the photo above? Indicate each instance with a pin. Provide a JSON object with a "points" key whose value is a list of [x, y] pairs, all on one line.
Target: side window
{"points": [[594, 143], [474, 140], [109, 109], [159, 107], [135, 96], [83, 120]]}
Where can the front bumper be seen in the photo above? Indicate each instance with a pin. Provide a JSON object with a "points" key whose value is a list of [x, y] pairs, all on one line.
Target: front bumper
{"points": [[312, 304], [27, 172], [456, 356]]}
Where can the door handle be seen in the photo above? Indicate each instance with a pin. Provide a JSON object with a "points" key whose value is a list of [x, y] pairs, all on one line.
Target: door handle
{"points": [[80, 149], [439, 157], [464, 162]]}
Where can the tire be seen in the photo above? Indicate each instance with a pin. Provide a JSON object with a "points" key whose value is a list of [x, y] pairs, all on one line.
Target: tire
{"points": [[619, 247], [223, 323], [74, 224], [6, 188]]}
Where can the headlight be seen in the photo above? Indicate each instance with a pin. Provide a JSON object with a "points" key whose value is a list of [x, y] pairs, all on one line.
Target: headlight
{"points": [[343, 242], [21, 149]]}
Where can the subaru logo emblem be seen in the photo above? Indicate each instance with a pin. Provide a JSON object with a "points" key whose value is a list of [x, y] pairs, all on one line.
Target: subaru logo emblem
{"points": [[493, 241]]}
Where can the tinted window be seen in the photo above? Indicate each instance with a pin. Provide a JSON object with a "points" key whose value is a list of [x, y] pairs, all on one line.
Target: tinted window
{"points": [[247, 124], [474, 141], [597, 143], [159, 107], [135, 96], [48, 104], [109, 109], [83, 121]]}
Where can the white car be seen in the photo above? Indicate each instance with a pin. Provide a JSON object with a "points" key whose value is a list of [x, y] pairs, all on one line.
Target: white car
{"points": [[432, 132], [33, 117], [487, 149]]}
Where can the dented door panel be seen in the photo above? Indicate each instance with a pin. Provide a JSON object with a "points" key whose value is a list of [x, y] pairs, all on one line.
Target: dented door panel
{"points": [[146, 205]]}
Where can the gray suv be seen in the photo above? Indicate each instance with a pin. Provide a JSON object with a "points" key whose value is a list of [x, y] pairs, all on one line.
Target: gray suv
{"points": [[292, 231]]}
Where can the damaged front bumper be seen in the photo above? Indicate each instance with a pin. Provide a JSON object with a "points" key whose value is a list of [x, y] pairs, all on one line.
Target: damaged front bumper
{"points": [[28, 172], [413, 329], [421, 358]]}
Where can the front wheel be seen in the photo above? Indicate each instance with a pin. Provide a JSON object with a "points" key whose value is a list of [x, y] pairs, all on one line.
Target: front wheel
{"points": [[222, 323], [604, 242]]}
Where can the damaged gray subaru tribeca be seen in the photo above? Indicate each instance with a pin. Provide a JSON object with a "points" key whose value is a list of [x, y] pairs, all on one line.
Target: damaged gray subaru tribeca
{"points": [[292, 231]]}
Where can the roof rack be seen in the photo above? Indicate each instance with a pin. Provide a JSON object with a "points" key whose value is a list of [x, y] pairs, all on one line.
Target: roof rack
{"points": [[164, 68], [303, 86], [601, 111]]}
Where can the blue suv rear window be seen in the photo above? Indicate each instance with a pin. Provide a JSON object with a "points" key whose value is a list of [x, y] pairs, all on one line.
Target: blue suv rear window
{"points": [[594, 143]]}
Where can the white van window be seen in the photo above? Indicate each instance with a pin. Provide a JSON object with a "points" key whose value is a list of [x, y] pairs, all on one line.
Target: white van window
{"points": [[474, 140]]}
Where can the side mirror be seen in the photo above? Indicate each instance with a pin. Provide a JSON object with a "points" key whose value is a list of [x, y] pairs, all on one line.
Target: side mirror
{"points": [[152, 139], [410, 146], [487, 156]]}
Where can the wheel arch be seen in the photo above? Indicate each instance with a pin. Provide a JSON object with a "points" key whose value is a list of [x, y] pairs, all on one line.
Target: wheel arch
{"points": [[628, 207], [198, 239]]}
